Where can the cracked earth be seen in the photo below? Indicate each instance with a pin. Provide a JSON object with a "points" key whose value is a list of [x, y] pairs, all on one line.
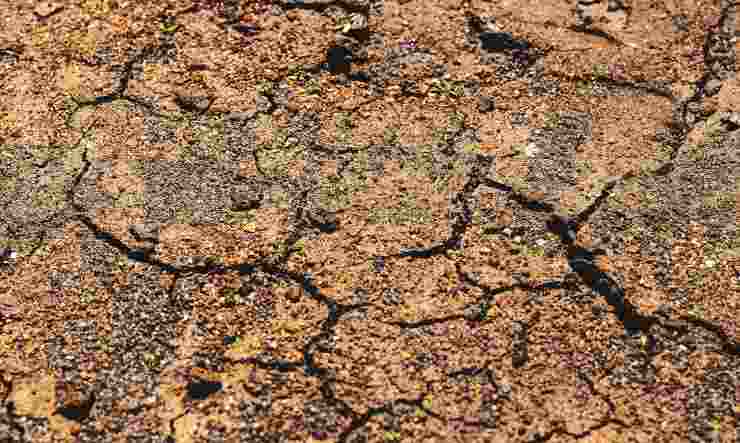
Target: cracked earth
{"points": [[366, 221]]}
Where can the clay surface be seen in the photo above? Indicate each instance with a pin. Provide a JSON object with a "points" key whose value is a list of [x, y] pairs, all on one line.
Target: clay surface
{"points": [[369, 221]]}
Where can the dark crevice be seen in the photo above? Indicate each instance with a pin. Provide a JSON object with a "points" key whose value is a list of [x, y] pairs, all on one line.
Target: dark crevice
{"points": [[202, 389], [78, 413]]}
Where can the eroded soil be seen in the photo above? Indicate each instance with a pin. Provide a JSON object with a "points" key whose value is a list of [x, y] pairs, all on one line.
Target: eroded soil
{"points": [[360, 220]]}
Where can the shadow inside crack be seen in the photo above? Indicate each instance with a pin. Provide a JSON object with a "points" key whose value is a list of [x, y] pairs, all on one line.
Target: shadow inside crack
{"points": [[201, 389], [79, 412], [582, 262], [499, 41]]}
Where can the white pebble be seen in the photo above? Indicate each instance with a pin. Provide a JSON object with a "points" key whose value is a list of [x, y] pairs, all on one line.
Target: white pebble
{"points": [[532, 150]]}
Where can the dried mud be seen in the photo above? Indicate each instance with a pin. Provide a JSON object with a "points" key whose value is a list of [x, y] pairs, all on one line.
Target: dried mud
{"points": [[365, 221]]}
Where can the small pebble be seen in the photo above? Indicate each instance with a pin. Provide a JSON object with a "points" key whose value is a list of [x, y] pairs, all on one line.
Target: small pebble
{"points": [[486, 104]]}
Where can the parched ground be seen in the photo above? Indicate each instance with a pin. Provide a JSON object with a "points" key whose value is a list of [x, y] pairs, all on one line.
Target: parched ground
{"points": [[366, 221]]}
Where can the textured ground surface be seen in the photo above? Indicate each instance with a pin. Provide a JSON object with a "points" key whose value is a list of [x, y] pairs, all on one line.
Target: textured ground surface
{"points": [[360, 220]]}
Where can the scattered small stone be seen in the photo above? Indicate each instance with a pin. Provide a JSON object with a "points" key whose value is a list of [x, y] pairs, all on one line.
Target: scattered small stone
{"points": [[292, 141], [473, 313], [519, 119], [358, 22], [326, 221], [148, 232], [246, 200], [8, 55], [240, 115], [47, 9], [519, 355], [391, 296], [532, 150], [486, 104], [680, 23], [194, 103], [713, 86]]}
